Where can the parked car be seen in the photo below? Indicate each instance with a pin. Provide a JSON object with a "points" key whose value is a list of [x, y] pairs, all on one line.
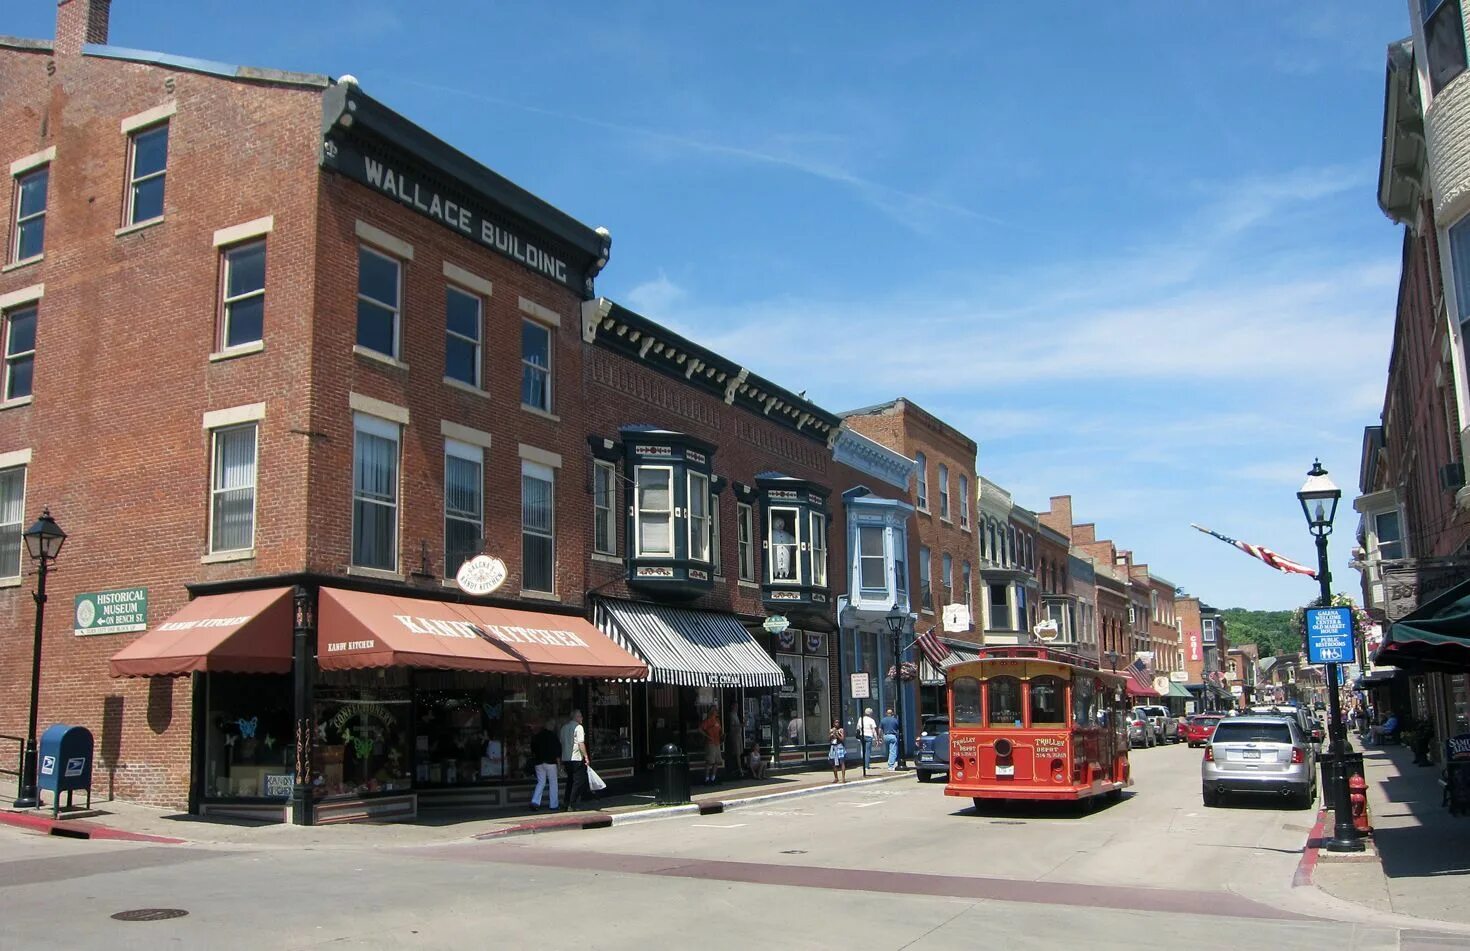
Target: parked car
{"points": [[1305, 721], [1166, 729], [931, 749], [1140, 730], [1267, 755], [1197, 728]]}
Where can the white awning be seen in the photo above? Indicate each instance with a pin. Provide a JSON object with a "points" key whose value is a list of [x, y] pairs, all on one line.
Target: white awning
{"points": [[688, 648]]}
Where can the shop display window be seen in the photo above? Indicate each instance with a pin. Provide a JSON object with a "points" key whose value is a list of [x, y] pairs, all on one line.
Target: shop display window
{"points": [[790, 716], [249, 749], [363, 722], [608, 719], [456, 719]]}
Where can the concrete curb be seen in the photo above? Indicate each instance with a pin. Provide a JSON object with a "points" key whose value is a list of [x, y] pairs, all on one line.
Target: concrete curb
{"points": [[1311, 851], [79, 829]]}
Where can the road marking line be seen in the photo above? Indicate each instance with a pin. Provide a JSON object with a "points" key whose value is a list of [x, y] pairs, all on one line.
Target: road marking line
{"points": [[711, 825]]}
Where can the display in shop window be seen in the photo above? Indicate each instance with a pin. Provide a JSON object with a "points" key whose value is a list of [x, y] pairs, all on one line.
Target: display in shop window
{"points": [[783, 544]]}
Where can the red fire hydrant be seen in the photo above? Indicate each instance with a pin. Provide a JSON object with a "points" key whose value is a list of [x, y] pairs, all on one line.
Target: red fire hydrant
{"points": [[1358, 798]]}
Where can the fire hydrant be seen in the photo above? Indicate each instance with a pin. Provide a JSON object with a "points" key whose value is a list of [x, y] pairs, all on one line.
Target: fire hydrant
{"points": [[1358, 798]]}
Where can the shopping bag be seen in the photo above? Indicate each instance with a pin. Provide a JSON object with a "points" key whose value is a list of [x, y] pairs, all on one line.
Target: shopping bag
{"points": [[595, 782]]}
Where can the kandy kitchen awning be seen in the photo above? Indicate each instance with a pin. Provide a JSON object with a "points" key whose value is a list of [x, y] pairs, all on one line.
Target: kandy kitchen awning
{"points": [[248, 632]]}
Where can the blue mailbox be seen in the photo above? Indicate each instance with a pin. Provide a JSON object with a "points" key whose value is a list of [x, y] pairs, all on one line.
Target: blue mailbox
{"points": [[65, 763]]}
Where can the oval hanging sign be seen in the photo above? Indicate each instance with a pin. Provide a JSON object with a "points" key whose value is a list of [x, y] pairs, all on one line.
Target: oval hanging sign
{"points": [[775, 624], [480, 575]]}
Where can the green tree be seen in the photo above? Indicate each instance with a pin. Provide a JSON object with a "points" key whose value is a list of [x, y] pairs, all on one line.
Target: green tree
{"points": [[1271, 631]]}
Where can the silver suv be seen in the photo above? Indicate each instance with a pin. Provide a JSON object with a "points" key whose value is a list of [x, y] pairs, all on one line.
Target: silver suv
{"points": [[1259, 754]]}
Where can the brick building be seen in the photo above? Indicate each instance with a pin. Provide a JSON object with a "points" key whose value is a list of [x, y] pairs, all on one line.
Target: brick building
{"points": [[1011, 601]]}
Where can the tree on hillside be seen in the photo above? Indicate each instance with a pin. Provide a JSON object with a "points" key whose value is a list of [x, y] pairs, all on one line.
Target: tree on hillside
{"points": [[1270, 631]]}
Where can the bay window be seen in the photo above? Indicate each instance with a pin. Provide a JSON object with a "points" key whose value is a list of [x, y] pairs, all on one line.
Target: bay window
{"points": [[698, 516], [653, 510]]}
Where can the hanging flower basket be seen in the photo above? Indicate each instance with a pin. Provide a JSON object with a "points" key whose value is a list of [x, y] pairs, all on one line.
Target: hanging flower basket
{"points": [[906, 671], [1362, 622]]}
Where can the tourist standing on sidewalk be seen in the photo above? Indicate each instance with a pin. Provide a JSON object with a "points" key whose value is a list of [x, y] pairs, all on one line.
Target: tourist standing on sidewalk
{"points": [[545, 753], [890, 736], [574, 756], [868, 735], [735, 741], [837, 752], [713, 746]]}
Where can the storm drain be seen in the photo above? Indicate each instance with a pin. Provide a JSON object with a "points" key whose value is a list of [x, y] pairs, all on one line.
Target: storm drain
{"points": [[150, 914], [793, 851], [1007, 822]]}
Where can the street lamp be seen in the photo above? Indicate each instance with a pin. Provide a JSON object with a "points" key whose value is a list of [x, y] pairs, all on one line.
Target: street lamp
{"points": [[1113, 658], [43, 543], [1319, 498], [896, 619]]}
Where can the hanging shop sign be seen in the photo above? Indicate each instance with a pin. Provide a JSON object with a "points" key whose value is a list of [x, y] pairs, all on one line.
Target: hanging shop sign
{"points": [[775, 624], [480, 575], [956, 618], [1330, 635], [122, 611]]}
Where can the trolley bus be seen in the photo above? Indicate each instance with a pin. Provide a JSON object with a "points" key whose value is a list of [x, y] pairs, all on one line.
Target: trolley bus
{"points": [[1036, 723]]}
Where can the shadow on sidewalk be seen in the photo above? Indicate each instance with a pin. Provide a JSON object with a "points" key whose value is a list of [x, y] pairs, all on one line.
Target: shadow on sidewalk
{"points": [[1415, 834]]}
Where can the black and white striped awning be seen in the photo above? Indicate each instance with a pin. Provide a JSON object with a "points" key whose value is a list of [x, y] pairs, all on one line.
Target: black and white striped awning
{"points": [[688, 648], [960, 653]]}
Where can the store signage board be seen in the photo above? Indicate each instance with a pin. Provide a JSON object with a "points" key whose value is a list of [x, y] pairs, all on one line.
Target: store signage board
{"points": [[775, 624], [956, 618], [1330, 636], [120, 611], [1179, 676], [480, 575], [860, 686]]}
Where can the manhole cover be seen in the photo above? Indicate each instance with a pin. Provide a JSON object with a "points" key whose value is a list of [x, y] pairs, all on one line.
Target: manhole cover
{"points": [[1006, 822], [793, 851], [150, 914]]}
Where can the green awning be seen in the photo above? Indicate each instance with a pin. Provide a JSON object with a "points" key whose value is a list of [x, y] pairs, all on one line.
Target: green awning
{"points": [[1177, 690], [1436, 633]]}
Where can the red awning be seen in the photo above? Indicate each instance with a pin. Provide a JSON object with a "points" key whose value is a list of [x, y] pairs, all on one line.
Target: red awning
{"points": [[358, 630], [1138, 686], [244, 633]]}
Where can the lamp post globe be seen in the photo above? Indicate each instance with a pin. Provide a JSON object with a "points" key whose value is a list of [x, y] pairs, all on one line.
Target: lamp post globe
{"points": [[1319, 497], [43, 543]]}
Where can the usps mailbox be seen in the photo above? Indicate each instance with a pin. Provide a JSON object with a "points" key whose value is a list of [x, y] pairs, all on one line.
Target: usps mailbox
{"points": [[65, 763]]}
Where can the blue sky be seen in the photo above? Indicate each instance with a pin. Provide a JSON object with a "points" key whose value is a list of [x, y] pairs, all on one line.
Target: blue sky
{"points": [[1131, 248]]}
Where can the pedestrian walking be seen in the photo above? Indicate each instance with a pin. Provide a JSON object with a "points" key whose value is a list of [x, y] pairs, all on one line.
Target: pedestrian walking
{"points": [[713, 746], [574, 757], [837, 752], [868, 735], [890, 736], [545, 754]]}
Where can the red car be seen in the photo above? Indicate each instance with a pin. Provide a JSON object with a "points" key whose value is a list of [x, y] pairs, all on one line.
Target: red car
{"points": [[1197, 728]]}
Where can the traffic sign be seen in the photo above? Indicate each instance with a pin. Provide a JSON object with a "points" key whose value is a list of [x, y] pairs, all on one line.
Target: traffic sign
{"points": [[859, 686], [1330, 636]]}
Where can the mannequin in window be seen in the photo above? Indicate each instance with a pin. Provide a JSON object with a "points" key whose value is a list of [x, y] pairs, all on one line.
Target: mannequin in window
{"points": [[783, 548]]}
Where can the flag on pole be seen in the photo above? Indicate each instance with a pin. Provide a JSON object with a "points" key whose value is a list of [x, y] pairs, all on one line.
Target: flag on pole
{"points": [[933, 648], [1265, 554]]}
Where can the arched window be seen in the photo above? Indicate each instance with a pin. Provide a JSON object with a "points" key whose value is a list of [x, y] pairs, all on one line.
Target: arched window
{"points": [[1005, 702], [1047, 697], [943, 490], [965, 695]]}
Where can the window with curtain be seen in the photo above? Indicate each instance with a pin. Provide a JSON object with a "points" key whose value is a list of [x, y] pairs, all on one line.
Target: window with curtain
{"points": [[926, 597], [922, 490], [538, 523], [745, 540], [535, 365], [654, 510], [946, 569], [375, 493], [943, 490], [698, 516], [12, 519], [232, 492], [715, 558], [964, 501], [464, 504], [819, 550], [604, 508]]}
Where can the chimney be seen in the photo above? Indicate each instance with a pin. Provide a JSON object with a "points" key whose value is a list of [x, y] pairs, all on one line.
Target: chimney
{"points": [[79, 22]]}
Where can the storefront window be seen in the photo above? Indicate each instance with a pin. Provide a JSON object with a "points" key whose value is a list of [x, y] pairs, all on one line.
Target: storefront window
{"points": [[1460, 688], [966, 696], [789, 710], [815, 698], [1005, 702], [1047, 696], [363, 733], [609, 727], [248, 743], [454, 743]]}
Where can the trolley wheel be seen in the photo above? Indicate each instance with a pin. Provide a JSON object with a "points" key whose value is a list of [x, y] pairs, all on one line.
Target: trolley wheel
{"points": [[1115, 795], [979, 803]]}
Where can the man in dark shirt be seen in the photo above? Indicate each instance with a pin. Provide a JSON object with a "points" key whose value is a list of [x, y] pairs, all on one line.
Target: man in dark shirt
{"points": [[545, 753], [889, 726]]}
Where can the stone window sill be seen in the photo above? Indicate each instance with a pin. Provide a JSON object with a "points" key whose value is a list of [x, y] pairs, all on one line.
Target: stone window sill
{"points": [[538, 411], [464, 387], [374, 355], [17, 265], [540, 595], [379, 573], [244, 554], [138, 226], [604, 557], [20, 401], [244, 349]]}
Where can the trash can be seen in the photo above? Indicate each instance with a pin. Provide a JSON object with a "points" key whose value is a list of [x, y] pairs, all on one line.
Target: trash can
{"points": [[1354, 763], [671, 774]]}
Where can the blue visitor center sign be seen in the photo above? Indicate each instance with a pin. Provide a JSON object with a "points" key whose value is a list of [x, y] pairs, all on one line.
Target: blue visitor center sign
{"points": [[1330, 635]]}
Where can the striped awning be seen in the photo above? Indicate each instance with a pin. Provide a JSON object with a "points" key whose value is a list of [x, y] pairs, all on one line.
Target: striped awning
{"points": [[960, 653], [688, 648]]}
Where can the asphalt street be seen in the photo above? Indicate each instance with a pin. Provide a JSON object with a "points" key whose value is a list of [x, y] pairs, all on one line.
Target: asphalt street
{"points": [[899, 865]]}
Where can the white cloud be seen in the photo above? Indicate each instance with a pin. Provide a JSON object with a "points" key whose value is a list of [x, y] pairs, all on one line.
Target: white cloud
{"points": [[657, 298]]}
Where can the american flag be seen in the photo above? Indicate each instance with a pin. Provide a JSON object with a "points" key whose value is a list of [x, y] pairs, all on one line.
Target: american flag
{"points": [[933, 647], [1265, 554]]}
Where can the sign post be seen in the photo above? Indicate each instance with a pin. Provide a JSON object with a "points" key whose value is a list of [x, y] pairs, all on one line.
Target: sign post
{"points": [[861, 689]]}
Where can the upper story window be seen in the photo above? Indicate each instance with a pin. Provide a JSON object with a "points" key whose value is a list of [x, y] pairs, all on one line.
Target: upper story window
{"points": [[968, 594], [819, 550], [783, 528], [922, 486], [699, 520], [604, 508], [946, 570], [375, 493], [232, 488], [463, 318], [943, 490], [1208, 627], [1444, 35], [1390, 539], [242, 304], [964, 501], [1000, 606], [379, 301], [20, 350], [926, 595], [538, 527], [535, 365], [464, 504], [671, 523], [745, 540], [716, 559], [872, 559], [900, 564], [653, 510], [12, 519], [147, 164], [29, 239]]}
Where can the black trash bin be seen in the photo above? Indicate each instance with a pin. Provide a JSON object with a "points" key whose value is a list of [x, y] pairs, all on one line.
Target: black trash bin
{"points": [[1354, 763], [671, 774]]}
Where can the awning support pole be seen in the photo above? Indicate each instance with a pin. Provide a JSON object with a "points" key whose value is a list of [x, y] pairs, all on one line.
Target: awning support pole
{"points": [[302, 667]]}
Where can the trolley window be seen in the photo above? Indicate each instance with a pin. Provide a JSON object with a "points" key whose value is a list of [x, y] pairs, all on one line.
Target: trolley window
{"points": [[1005, 702], [1084, 701], [966, 694], [1047, 696]]}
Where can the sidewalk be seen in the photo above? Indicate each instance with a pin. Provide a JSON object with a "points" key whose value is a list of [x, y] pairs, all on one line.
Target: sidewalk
{"points": [[126, 820], [1424, 852]]}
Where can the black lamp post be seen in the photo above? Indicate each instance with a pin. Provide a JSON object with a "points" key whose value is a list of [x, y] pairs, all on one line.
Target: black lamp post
{"points": [[1113, 658], [896, 619], [43, 543], [1319, 498]]}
